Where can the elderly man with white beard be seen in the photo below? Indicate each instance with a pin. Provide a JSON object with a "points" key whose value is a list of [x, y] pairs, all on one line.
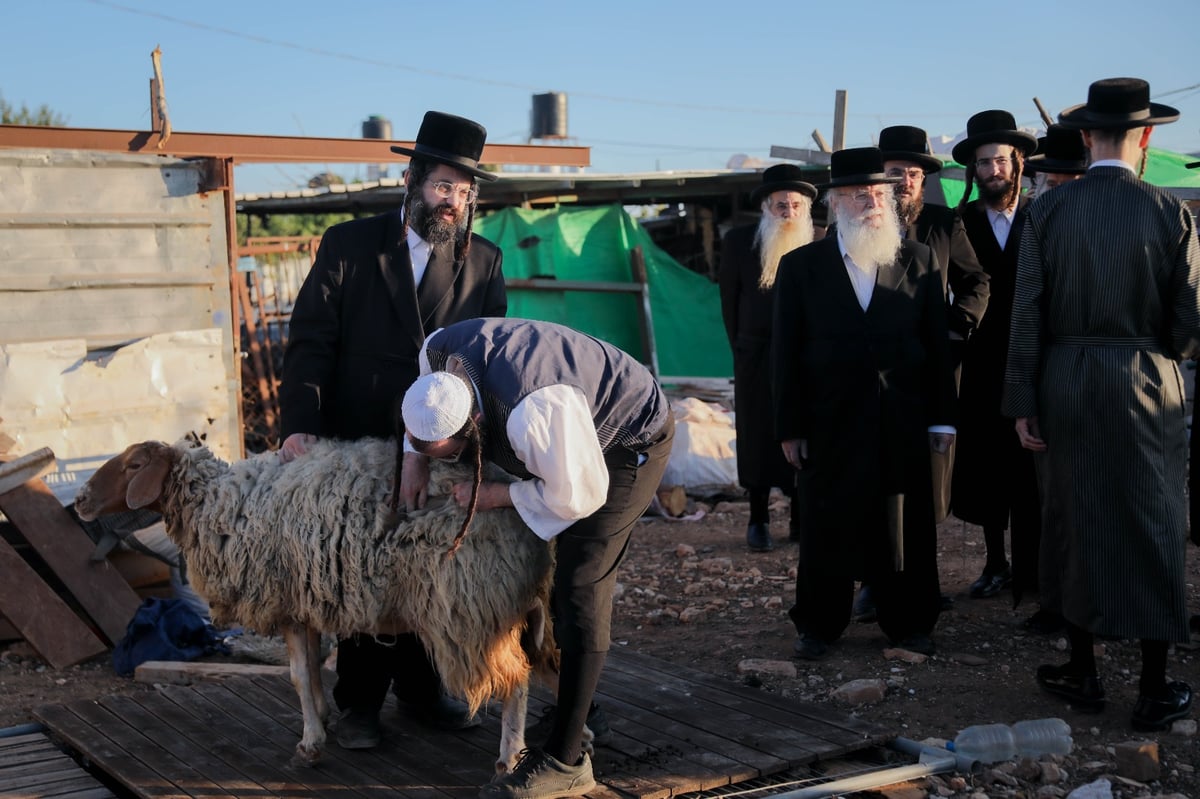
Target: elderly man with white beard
{"points": [[749, 262], [863, 393]]}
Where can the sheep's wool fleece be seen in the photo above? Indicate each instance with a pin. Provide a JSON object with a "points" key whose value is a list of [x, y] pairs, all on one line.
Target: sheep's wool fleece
{"points": [[313, 541]]}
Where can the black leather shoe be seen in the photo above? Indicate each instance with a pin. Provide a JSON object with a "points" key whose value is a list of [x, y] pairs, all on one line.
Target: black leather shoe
{"points": [[1156, 714], [1083, 691], [810, 648], [864, 605], [991, 583], [358, 729], [919, 643], [758, 537], [1044, 622], [445, 713]]}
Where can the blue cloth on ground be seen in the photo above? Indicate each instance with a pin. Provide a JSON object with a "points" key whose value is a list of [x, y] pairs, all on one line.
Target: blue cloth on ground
{"points": [[165, 629]]}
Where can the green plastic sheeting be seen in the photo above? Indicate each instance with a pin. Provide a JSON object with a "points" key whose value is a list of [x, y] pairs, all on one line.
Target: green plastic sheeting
{"points": [[593, 244], [1163, 168]]}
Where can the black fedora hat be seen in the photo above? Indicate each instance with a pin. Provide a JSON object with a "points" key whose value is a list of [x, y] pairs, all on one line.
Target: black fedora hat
{"points": [[906, 143], [450, 140], [1117, 104], [857, 166], [783, 177], [992, 127], [1061, 150], [1193, 165]]}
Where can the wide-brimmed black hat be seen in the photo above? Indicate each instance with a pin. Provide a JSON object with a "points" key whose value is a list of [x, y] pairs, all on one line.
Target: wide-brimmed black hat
{"points": [[906, 143], [1061, 150], [1193, 165], [450, 140], [1117, 104], [992, 127], [857, 166], [783, 177]]}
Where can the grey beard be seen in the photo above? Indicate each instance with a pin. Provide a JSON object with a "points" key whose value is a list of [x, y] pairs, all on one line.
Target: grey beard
{"points": [[775, 240]]}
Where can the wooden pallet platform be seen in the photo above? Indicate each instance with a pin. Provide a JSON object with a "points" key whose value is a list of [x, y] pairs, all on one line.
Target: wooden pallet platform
{"points": [[30, 765], [674, 731]]}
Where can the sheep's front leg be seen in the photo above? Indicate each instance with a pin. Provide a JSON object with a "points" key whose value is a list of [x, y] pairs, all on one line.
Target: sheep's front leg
{"points": [[512, 728], [312, 704]]}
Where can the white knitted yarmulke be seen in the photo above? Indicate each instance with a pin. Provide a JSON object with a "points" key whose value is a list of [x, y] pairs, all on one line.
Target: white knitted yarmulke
{"points": [[436, 406]]}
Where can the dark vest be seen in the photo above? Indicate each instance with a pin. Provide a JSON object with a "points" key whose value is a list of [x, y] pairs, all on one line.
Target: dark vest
{"points": [[508, 359]]}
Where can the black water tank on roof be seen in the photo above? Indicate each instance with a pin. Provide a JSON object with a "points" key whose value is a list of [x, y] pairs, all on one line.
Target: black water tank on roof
{"points": [[549, 116], [376, 127]]}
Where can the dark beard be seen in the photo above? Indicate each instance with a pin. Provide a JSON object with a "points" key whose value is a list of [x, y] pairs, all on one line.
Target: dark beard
{"points": [[908, 209], [992, 195], [431, 227]]}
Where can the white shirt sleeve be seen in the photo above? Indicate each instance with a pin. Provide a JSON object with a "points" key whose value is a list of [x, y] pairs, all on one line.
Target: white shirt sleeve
{"points": [[553, 434]]}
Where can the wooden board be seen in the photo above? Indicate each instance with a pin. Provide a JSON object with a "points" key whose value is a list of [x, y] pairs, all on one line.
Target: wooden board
{"points": [[175, 672], [40, 616], [30, 765], [65, 547], [674, 731]]}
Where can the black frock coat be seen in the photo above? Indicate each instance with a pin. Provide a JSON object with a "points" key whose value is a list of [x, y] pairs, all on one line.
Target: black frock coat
{"points": [[359, 322], [863, 388], [747, 310]]}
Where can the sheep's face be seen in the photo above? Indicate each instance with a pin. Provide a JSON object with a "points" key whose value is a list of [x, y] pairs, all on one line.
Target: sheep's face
{"points": [[133, 479]]}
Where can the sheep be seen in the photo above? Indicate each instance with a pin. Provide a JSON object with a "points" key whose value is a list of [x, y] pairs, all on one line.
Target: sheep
{"points": [[313, 546]]}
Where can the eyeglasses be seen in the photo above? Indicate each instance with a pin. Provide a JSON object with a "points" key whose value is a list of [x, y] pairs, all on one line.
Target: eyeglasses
{"points": [[861, 197], [913, 173], [445, 189], [1000, 162]]}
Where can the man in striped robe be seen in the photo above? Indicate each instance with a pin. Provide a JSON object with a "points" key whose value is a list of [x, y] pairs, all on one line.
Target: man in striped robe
{"points": [[1107, 302]]}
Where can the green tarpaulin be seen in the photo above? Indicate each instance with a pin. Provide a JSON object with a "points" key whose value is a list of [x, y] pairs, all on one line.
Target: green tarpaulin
{"points": [[593, 244]]}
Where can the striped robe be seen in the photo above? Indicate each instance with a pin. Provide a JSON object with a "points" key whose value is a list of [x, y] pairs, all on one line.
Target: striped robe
{"points": [[1107, 301]]}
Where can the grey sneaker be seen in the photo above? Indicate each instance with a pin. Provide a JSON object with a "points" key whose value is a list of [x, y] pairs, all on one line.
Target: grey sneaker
{"points": [[541, 776]]}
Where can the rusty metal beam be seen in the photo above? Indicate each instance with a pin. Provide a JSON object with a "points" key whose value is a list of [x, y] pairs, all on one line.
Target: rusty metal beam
{"points": [[268, 149]]}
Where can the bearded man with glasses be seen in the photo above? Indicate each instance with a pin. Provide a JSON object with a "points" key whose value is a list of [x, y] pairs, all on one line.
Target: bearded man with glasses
{"points": [[378, 287], [994, 484], [863, 391]]}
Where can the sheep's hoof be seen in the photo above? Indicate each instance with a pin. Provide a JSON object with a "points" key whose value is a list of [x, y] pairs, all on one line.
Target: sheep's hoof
{"points": [[502, 768], [306, 756]]}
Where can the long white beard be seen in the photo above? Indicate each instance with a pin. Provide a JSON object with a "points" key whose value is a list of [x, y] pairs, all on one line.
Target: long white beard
{"points": [[871, 247], [775, 238]]}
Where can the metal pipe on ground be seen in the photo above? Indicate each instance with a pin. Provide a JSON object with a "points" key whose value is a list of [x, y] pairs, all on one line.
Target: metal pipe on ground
{"points": [[932, 761]]}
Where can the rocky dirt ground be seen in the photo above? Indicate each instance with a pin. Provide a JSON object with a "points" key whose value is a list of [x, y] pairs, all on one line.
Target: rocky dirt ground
{"points": [[692, 594]]}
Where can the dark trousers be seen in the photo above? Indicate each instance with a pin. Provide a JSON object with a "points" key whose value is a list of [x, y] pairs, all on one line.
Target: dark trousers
{"points": [[366, 667], [587, 555], [907, 602]]}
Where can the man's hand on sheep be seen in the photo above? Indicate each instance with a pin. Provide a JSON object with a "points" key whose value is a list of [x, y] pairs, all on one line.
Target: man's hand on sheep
{"points": [[295, 445], [491, 495], [414, 481]]}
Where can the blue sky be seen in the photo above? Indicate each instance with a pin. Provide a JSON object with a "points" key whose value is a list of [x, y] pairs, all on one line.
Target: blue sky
{"points": [[650, 85]]}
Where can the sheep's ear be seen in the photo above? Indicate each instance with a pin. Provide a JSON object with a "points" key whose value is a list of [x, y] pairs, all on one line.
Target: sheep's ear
{"points": [[147, 482]]}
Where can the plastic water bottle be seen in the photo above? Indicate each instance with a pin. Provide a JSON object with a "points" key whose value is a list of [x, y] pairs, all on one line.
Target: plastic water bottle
{"points": [[991, 743], [1043, 737], [987, 743]]}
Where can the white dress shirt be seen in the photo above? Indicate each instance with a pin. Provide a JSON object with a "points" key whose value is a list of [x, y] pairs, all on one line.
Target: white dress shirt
{"points": [[1112, 162], [1001, 223], [418, 251]]}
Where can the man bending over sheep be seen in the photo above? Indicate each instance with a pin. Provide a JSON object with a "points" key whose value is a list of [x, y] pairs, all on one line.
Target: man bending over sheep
{"points": [[587, 431]]}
